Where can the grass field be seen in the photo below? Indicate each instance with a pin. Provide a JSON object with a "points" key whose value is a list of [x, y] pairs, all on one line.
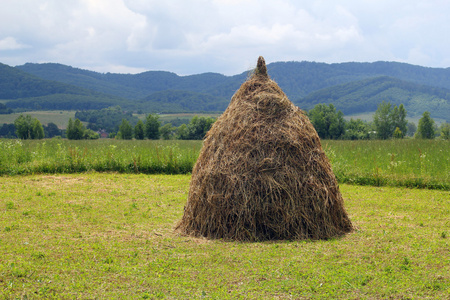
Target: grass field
{"points": [[65, 156], [412, 163], [60, 118], [110, 236]]}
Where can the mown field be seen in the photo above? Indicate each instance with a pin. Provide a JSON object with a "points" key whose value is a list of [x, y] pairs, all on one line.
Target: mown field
{"points": [[93, 220], [411, 163], [60, 118], [110, 236]]}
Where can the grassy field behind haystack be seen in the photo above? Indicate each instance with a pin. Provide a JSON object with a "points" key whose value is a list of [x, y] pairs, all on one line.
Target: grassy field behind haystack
{"points": [[411, 163], [110, 236]]}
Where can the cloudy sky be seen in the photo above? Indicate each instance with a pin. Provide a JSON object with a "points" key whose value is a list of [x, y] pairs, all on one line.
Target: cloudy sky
{"points": [[224, 36]]}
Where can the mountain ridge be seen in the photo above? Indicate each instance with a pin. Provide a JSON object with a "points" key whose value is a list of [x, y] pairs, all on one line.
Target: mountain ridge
{"points": [[301, 81]]}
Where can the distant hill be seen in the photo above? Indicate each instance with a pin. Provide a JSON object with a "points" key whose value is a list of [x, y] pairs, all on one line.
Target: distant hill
{"points": [[136, 86], [83, 78], [27, 91], [365, 95], [298, 79], [15, 84], [352, 87]]}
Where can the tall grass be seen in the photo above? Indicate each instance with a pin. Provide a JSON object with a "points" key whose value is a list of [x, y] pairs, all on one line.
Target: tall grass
{"points": [[411, 163], [64, 156]]}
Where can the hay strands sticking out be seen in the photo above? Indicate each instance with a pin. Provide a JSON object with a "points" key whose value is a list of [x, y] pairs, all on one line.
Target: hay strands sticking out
{"points": [[262, 173]]}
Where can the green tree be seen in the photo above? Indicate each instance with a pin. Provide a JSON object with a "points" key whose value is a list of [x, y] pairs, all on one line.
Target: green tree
{"points": [[23, 126], [182, 132], [198, 127], [139, 130], [75, 130], [356, 130], [28, 128], [387, 118], [445, 131], [125, 130], [425, 129], [167, 131], [383, 121], [337, 125], [90, 134], [78, 129], [51, 130], [399, 120], [69, 130], [37, 131], [328, 123], [152, 125]]}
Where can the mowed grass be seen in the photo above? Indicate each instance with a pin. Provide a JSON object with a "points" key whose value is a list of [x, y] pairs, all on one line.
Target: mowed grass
{"points": [[60, 118], [110, 236]]}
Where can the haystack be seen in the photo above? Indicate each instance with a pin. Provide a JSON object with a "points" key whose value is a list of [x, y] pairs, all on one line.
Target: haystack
{"points": [[262, 173]]}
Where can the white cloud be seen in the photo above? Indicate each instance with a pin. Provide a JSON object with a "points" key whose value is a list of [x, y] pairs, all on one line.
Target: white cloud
{"points": [[10, 43], [221, 35]]}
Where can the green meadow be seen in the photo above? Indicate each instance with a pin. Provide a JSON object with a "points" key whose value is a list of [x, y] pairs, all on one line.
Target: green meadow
{"points": [[409, 162], [60, 118], [110, 236], [66, 156], [95, 220]]}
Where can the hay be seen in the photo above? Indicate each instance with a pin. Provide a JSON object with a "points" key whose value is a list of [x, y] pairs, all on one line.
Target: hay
{"points": [[262, 173]]}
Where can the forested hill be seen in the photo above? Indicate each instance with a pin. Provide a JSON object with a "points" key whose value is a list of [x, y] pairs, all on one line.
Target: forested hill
{"points": [[298, 79], [137, 86], [364, 96], [352, 87], [15, 84], [27, 91]]}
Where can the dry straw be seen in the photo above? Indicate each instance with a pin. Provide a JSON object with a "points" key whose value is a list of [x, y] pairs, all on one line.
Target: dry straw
{"points": [[262, 173]]}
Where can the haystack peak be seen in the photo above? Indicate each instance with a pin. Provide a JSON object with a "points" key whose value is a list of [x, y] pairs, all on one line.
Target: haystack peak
{"points": [[261, 69]]}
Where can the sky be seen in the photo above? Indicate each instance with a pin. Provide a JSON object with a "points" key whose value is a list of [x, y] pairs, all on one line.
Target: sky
{"points": [[222, 36]]}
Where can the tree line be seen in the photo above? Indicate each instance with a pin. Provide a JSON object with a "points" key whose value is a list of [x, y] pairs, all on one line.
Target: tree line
{"points": [[389, 121], [152, 129], [27, 127]]}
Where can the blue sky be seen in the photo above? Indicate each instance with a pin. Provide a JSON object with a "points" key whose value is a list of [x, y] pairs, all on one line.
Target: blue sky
{"points": [[223, 36]]}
